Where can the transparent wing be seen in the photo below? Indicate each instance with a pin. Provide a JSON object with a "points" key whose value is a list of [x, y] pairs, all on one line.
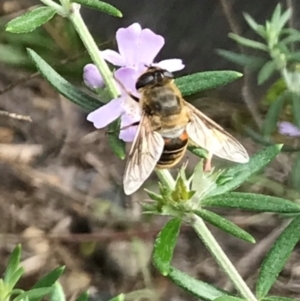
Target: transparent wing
{"points": [[145, 152], [207, 134]]}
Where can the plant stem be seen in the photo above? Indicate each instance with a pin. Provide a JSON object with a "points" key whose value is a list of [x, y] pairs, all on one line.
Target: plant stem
{"points": [[165, 177], [93, 50], [59, 9], [213, 246]]}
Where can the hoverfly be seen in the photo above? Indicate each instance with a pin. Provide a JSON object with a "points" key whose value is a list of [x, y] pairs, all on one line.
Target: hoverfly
{"points": [[168, 123]]}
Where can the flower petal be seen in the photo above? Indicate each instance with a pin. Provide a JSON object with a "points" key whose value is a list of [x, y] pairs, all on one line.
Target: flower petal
{"points": [[171, 65], [128, 77], [113, 57], [128, 40], [149, 46], [107, 113], [91, 77], [129, 133], [288, 129]]}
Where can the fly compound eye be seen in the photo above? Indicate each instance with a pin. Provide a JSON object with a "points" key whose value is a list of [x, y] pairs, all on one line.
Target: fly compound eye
{"points": [[144, 80], [168, 74]]}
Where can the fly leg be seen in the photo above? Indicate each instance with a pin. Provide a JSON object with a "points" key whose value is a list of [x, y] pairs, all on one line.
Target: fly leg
{"points": [[207, 162]]}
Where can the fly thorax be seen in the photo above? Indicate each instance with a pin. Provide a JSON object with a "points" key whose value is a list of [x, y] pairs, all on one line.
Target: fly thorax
{"points": [[163, 102]]}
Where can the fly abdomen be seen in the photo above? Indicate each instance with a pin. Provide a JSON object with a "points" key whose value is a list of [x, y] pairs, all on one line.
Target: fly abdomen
{"points": [[173, 152]]}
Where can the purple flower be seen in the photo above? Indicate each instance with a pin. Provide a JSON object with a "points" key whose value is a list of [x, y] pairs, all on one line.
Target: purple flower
{"points": [[137, 48], [123, 106], [288, 129], [91, 77]]}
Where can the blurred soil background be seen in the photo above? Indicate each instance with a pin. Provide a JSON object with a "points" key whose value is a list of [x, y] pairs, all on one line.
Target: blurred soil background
{"points": [[61, 193]]}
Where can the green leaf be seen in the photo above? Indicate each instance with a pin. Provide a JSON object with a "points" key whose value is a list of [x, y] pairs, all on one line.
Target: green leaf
{"points": [[198, 151], [117, 145], [57, 293], [241, 172], [63, 86], [271, 119], [34, 294], [225, 225], [14, 56], [200, 289], [276, 15], [102, 6], [201, 81], [295, 174], [83, 297], [48, 280], [266, 71], [250, 61], [277, 257], [12, 265], [248, 42], [15, 277], [165, 244], [259, 29], [290, 39], [296, 108], [30, 20], [120, 297], [252, 202], [229, 298], [277, 298], [154, 196]]}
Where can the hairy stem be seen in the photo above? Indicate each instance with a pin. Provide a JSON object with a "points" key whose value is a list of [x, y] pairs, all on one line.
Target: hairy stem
{"points": [[220, 256], [93, 50], [165, 177], [59, 9]]}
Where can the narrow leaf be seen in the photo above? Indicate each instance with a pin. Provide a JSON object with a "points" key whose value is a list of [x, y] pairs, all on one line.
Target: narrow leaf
{"points": [[102, 6], [13, 264], [199, 152], [15, 277], [248, 42], [271, 119], [241, 172], [295, 174], [252, 202], [225, 225], [83, 297], [31, 20], [48, 280], [250, 61], [63, 86], [229, 298], [200, 289], [277, 257], [266, 71], [296, 108], [57, 293], [277, 298], [290, 39], [165, 244], [120, 297], [259, 29], [34, 293], [276, 14], [201, 81], [117, 145]]}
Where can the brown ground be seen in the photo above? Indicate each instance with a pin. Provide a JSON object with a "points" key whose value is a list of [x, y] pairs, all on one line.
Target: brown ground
{"points": [[61, 197]]}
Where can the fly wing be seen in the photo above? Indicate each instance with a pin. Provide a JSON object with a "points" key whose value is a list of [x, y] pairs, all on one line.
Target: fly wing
{"points": [[207, 134], [145, 152]]}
